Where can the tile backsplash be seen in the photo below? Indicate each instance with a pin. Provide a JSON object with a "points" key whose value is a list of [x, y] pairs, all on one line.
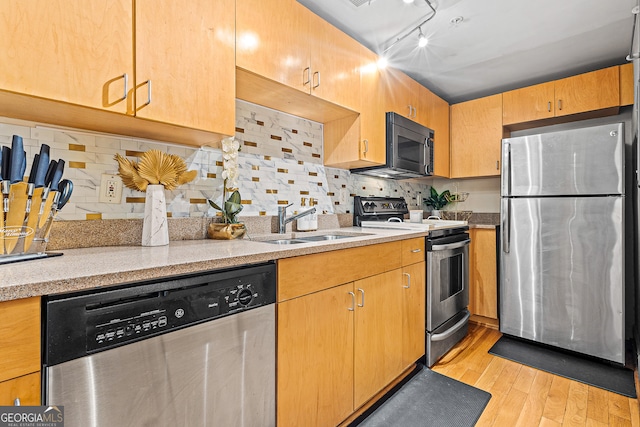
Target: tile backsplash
{"points": [[280, 162]]}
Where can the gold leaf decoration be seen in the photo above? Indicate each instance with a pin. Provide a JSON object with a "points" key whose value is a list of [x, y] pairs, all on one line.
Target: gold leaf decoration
{"points": [[154, 167]]}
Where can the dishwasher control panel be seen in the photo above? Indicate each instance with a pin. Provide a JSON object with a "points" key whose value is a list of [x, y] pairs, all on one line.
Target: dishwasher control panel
{"points": [[98, 321]]}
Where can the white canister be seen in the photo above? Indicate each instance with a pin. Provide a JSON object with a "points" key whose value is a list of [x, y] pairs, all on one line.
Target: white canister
{"points": [[415, 215]]}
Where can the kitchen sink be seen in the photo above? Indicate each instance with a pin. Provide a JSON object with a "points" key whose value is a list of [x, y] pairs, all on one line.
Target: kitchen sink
{"points": [[316, 238], [324, 237], [285, 241]]}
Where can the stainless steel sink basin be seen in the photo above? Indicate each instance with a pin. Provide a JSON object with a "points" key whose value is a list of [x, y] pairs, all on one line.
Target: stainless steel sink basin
{"points": [[314, 238], [324, 237], [285, 241]]}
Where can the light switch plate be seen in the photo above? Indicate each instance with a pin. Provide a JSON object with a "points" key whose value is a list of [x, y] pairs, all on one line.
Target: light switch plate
{"points": [[110, 189]]}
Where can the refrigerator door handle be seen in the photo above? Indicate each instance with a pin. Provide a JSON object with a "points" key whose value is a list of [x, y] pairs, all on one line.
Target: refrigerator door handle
{"points": [[505, 227], [506, 166]]}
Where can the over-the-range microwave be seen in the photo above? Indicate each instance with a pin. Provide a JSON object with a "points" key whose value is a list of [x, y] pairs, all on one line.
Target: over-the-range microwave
{"points": [[409, 150]]}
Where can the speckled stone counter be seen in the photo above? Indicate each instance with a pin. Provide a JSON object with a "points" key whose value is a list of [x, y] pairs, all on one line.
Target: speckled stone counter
{"points": [[85, 268]]}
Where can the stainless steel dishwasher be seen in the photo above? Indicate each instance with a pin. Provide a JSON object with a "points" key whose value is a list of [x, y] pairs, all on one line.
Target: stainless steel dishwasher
{"points": [[193, 350]]}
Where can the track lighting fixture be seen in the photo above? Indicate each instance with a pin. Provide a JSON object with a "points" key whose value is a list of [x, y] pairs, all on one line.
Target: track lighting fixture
{"points": [[422, 39]]}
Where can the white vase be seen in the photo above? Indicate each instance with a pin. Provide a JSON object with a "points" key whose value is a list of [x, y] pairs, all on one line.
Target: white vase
{"points": [[436, 212], [155, 229]]}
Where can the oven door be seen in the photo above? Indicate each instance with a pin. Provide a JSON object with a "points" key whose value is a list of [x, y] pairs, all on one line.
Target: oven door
{"points": [[447, 278]]}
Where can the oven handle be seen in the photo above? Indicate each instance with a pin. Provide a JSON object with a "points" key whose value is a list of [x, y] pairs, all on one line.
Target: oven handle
{"points": [[451, 245], [452, 330]]}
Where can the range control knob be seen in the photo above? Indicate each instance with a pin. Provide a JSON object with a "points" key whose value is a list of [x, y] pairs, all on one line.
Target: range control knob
{"points": [[245, 297]]}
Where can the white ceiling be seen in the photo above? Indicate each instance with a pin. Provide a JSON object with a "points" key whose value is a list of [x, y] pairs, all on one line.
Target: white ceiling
{"points": [[499, 45]]}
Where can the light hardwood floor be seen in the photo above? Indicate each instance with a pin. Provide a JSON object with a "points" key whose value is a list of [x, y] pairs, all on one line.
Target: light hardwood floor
{"points": [[524, 396]]}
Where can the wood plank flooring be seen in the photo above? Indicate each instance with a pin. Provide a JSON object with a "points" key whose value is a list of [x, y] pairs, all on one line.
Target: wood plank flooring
{"points": [[524, 396]]}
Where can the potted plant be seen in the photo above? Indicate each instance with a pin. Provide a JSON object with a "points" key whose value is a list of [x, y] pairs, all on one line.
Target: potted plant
{"points": [[231, 206], [437, 201]]}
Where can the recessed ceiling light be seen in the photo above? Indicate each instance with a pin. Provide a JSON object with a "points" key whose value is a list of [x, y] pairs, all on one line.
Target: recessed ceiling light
{"points": [[456, 20], [408, 1]]}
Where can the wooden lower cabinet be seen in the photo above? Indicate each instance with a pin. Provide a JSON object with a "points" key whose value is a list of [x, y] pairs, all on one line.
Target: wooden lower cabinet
{"points": [[20, 351], [483, 278], [315, 358], [26, 389], [378, 334], [413, 316], [340, 346]]}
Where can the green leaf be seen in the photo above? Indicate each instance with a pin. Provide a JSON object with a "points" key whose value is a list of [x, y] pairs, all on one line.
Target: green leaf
{"points": [[215, 206], [235, 197]]}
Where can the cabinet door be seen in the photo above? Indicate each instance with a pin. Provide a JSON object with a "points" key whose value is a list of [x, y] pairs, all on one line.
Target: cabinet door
{"points": [[483, 283], [335, 64], [476, 135], [413, 318], [378, 333], [19, 337], [589, 91], [626, 84], [529, 103], [401, 93], [26, 389], [185, 71], [372, 110], [433, 112], [75, 51], [272, 41], [315, 358]]}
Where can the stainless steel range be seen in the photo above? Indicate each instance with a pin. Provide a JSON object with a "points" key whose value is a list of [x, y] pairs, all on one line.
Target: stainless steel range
{"points": [[447, 264]]}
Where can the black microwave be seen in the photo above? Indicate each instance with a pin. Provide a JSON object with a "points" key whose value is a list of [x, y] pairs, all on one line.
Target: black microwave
{"points": [[409, 150]]}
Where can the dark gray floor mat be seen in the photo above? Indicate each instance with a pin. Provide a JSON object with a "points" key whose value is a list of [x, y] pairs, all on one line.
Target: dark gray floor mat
{"points": [[429, 399], [585, 370]]}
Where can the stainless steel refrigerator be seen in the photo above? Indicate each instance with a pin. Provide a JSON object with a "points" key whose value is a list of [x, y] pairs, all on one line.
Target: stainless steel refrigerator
{"points": [[562, 240]]}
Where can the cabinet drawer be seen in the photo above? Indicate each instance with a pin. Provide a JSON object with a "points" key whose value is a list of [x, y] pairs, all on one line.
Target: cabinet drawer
{"points": [[311, 273], [412, 251], [19, 337], [26, 388]]}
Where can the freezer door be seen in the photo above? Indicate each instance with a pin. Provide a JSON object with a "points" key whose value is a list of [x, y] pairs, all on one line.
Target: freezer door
{"points": [[562, 273], [572, 162]]}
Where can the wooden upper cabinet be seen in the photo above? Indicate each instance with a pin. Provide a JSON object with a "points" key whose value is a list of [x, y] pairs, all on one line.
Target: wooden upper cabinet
{"points": [[76, 51], [373, 145], [335, 64], [401, 93], [476, 135], [271, 41], [589, 91], [529, 103], [184, 63], [434, 113], [626, 84]]}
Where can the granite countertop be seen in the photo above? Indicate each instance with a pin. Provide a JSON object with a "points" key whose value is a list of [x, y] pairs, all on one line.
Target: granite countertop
{"points": [[87, 268]]}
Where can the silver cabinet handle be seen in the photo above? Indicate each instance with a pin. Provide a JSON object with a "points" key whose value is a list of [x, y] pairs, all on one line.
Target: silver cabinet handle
{"points": [[415, 251], [353, 301], [306, 76], [366, 146], [408, 280], [148, 83], [549, 106], [415, 112], [410, 110], [559, 104], [316, 81], [16, 402], [362, 292], [498, 165], [125, 76]]}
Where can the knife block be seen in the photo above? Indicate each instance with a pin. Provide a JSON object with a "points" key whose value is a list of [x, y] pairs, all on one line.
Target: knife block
{"points": [[26, 221]]}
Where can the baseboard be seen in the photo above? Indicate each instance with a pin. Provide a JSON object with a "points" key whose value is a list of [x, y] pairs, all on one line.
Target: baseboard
{"points": [[487, 322]]}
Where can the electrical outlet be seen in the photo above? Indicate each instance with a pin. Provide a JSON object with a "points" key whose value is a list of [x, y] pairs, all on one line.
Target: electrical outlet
{"points": [[344, 196], [110, 189]]}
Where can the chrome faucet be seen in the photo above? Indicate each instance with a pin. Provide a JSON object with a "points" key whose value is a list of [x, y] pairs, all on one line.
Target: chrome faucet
{"points": [[283, 220]]}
